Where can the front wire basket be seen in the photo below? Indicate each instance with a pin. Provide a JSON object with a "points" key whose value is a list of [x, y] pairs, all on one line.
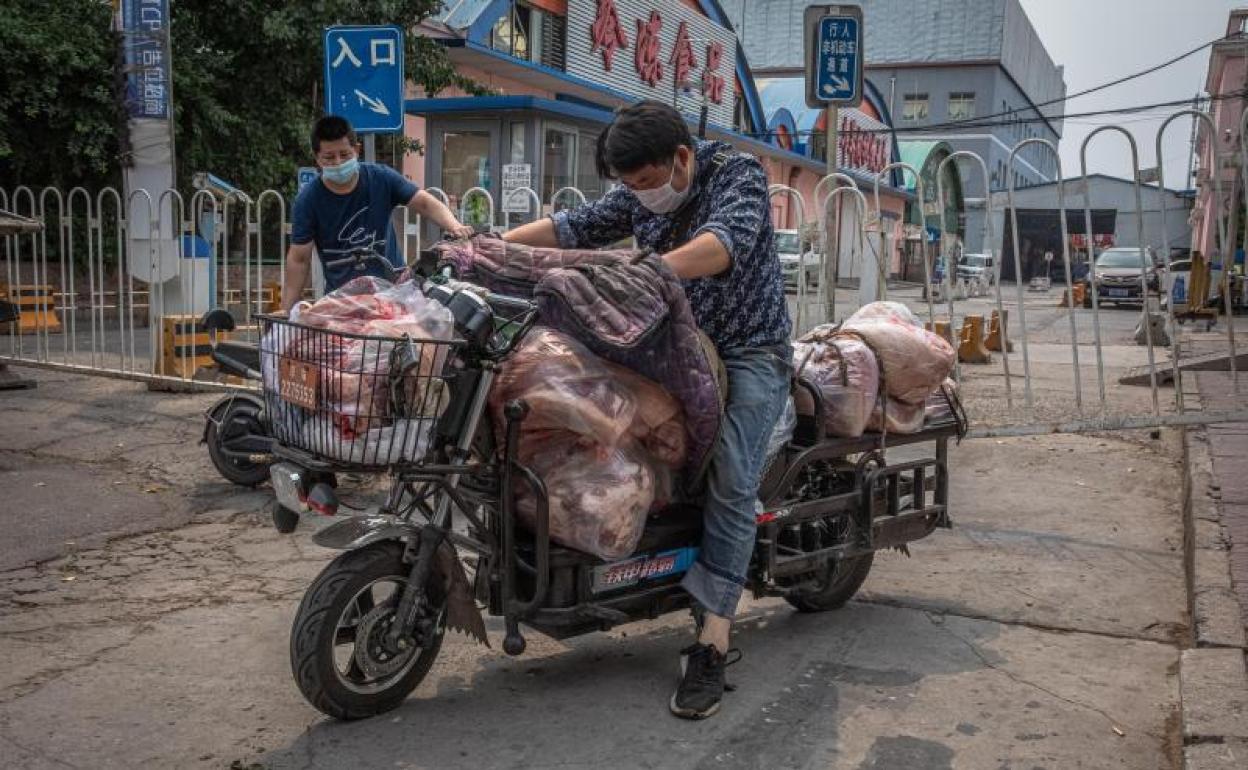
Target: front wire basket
{"points": [[353, 399]]}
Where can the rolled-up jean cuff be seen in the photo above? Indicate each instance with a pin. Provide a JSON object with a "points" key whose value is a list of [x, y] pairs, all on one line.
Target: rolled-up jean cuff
{"points": [[716, 594]]}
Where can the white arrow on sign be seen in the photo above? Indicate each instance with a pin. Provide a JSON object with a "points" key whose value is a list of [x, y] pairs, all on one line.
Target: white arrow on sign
{"points": [[376, 105], [840, 83]]}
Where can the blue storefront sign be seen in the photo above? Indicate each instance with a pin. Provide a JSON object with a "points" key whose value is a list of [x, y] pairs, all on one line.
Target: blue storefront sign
{"points": [[145, 26], [306, 176], [834, 56], [364, 77]]}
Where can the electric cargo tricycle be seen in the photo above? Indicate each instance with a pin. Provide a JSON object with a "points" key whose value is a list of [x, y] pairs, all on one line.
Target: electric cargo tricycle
{"points": [[445, 542]]}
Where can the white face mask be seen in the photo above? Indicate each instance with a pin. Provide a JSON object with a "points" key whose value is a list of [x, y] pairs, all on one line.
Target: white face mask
{"points": [[664, 199]]}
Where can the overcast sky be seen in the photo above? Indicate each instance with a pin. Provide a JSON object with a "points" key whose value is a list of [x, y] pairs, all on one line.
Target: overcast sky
{"points": [[1102, 40]]}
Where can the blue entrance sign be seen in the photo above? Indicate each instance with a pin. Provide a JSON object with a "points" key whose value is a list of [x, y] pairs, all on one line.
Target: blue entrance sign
{"points": [[364, 77], [834, 56]]}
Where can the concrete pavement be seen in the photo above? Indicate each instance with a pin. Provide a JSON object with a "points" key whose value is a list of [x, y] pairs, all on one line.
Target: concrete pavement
{"points": [[1045, 630]]}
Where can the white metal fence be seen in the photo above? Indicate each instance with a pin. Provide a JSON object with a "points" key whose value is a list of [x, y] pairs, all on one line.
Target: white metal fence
{"points": [[112, 286]]}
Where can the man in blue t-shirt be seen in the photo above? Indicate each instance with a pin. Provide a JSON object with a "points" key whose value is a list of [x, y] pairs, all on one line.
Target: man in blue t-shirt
{"points": [[348, 210]]}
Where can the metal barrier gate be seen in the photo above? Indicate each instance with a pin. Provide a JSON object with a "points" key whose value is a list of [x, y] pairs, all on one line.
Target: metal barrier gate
{"points": [[114, 287], [1051, 331]]}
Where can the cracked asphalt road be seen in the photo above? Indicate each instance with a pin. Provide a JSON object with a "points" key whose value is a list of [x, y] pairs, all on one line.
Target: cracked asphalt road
{"points": [[145, 606]]}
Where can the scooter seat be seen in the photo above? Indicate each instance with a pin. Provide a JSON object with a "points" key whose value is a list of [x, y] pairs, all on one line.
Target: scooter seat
{"points": [[236, 356]]}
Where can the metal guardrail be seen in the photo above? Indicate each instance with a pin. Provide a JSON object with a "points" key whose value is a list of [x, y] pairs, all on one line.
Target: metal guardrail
{"points": [[118, 267]]}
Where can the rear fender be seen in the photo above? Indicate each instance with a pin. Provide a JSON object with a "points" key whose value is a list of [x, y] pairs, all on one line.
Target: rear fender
{"points": [[359, 531], [217, 411]]}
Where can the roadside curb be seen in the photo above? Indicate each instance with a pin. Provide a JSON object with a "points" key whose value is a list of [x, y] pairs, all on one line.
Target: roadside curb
{"points": [[1213, 679]]}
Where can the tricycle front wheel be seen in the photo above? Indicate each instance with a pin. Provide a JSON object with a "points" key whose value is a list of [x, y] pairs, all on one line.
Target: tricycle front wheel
{"points": [[339, 652]]}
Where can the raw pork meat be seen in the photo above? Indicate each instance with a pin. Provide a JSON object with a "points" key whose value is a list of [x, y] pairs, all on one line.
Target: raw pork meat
{"points": [[845, 372], [915, 361], [598, 497]]}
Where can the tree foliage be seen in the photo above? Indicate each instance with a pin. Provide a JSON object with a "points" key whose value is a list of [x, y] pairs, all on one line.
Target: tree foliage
{"points": [[59, 118], [246, 85], [247, 79]]}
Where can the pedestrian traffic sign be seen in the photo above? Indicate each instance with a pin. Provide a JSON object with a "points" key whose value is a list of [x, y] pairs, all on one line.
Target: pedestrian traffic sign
{"points": [[834, 55], [364, 77]]}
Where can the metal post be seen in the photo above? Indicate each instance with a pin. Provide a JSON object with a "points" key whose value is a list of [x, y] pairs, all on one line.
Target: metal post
{"points": [[830, 277], [370, 148]]}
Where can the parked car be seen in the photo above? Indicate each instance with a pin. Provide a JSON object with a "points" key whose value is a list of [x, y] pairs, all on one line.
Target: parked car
{"points": [[792, 252], [1116, 277], [976, 266]]}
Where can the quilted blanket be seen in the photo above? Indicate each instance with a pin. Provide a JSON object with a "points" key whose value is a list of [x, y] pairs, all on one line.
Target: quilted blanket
{"points": [[626, 306]]}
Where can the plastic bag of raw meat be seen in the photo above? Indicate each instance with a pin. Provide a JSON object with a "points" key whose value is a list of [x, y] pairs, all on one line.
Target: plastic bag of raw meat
{"points": [[885, 311], [598, 497], [898, 417], [915, 361], [940, 403], [910, 418], [566, 387], [373, 306], [401, 440], [847, 376], [659, 424]]}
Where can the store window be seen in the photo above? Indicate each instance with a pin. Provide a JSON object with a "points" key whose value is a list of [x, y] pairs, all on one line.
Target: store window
{"points": [[511, 32], [531, 33], [558, 162], [961, 105], [914, 107], [465, 165]]}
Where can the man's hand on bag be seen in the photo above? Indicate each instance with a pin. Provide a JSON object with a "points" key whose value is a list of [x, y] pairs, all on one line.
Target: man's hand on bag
{"points": [[460, 231]]}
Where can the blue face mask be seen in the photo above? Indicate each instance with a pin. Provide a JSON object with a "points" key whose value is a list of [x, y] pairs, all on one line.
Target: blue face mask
{"points": [[343, 173]]}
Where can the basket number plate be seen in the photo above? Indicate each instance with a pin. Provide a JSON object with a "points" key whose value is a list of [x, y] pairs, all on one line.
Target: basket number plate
{"points": [[297, 382]]}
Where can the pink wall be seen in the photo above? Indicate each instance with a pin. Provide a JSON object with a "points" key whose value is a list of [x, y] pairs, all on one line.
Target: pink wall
{"points": [[1228, 75]]}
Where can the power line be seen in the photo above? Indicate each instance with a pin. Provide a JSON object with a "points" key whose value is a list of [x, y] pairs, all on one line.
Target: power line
{"points": [[984, 123], [1094, 89]]}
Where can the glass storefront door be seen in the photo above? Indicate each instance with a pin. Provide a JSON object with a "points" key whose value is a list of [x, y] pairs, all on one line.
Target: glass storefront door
{"points": [[558, 164], [467, 163]]}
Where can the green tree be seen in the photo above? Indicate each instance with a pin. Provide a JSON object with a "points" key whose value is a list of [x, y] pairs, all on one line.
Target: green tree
{"points": [[246, 86], [59, 118], [247, 80]]}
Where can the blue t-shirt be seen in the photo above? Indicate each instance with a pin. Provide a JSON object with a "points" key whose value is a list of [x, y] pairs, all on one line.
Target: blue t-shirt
{"points": [[342, 224]]}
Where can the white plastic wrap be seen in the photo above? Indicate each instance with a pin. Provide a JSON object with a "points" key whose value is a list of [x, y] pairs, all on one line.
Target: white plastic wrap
{"points": [[783, 432], [915, 361], [598, 498], [845, 372], [403, 440]]}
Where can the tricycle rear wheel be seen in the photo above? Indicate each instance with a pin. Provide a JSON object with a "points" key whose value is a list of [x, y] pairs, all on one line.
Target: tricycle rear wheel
{"points": [[845, 577]]}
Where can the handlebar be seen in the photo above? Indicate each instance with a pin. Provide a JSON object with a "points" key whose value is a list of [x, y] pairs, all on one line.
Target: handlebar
{"points": [[361, 259]]}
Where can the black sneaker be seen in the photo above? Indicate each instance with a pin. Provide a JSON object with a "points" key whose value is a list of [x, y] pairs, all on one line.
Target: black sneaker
{"points": [[702, 682]]}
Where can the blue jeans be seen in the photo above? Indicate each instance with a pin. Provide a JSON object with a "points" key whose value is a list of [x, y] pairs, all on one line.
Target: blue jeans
{"points": [[758, 387]]}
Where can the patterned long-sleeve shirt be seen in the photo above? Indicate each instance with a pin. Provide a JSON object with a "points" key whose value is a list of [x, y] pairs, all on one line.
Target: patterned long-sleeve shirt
{"points": [[743, 306]]}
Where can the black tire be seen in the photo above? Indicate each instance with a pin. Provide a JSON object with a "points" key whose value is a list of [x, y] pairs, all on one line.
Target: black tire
{"points": [[315, 634], [847, 578], [284, 519], [230, 419]]}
